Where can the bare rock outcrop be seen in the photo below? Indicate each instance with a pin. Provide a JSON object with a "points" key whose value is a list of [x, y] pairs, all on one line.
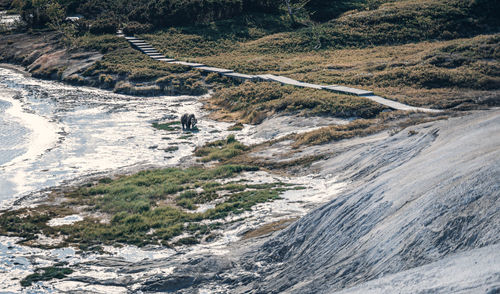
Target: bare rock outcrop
{"points": [[425, 203]]}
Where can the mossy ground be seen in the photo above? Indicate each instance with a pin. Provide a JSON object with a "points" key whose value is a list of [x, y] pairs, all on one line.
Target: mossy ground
{"points": [[150, 207], [221, 150], [46, 274], [168, 126]]}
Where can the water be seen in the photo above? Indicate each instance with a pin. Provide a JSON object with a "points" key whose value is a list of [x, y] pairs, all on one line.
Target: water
{"points": [[53, 134], [13, 135]]}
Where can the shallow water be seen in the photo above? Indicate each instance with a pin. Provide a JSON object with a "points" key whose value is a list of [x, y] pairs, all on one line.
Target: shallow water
{"points": [[53, 134], [12, 134]]}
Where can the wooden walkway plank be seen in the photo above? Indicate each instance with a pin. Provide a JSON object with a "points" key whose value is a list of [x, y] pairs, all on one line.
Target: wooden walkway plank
{"points": [[400, 106], [347, 90], [214, 69], [170, 60], [312, 86], [292, 82], [263, 77], [283, 80], [191, 64], [239, 76]]}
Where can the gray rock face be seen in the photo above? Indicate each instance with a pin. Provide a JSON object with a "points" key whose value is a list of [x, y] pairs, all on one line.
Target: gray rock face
{"points": [[473, 271], [418, 199]]}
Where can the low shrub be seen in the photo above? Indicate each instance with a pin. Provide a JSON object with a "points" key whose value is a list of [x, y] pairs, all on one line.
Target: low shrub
{"points": [[133, 28], [103, 26]]}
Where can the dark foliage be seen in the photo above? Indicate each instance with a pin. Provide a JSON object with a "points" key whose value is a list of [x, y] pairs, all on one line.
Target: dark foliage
{"points": [[46, 274], [323, 10], [134, 27], [5, 4], [35, 17], [103, 26], [157, 13]]}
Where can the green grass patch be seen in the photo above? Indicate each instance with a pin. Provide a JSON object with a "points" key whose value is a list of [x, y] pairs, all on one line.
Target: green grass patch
{"points": [[169, 126], [150, 207], [46, 274], [172, 149], [185, 137], [221, 150]]}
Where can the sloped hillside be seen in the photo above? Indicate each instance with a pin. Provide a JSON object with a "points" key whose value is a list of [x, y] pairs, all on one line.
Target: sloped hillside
{"points": [[419, 197]]}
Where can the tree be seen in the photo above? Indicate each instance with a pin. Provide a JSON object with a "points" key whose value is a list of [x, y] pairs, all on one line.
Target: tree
{"points": [[290, 12], [56, 14]]}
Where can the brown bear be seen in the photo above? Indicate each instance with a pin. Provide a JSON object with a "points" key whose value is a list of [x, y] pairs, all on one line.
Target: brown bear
{"points": [[188, 121]]}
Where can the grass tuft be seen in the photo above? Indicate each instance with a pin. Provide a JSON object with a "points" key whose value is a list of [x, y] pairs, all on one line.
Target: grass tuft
{"points": [[221, 150], [46, 274], [169, 126]]}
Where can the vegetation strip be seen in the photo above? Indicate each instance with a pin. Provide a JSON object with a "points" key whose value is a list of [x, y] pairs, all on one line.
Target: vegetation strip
{"points": [[288, 81], [151, 207], [46, 274]]}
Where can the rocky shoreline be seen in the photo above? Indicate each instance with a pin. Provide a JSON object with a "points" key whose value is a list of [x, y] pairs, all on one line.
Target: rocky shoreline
{"points": [[44, 55], [126, 134]]}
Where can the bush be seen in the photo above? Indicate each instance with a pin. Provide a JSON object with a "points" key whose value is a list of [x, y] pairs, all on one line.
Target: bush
{"points": [[81, 27], [134, 27], [103, 26]]}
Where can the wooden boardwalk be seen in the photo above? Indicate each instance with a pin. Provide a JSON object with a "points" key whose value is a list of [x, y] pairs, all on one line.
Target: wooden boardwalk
{"points": [[149, 50]]}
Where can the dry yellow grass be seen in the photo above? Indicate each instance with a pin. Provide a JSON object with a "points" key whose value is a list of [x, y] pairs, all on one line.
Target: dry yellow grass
{"points": [[395, 120], [439, 74], [268, 228]]}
